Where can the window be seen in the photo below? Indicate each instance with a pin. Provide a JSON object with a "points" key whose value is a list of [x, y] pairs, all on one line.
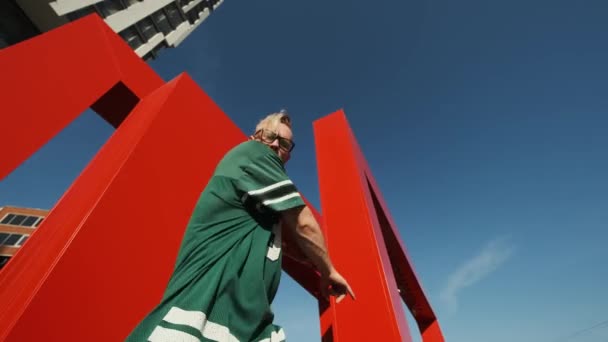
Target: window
{"points": [[18, 219], [12, 239], [82, 12], [22, 220], [175, 17], [211, 4], [22, 240], [3, 237], [3, 260], [39, 222], [109, 7], [146, 26], [193, 15], [8, 218], [160, 19], [132, 38], [130, 2], [15, 26], [29, 221]]}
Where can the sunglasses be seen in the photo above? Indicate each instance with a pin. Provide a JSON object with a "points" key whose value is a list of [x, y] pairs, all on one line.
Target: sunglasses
{"points": [[269, 137]]}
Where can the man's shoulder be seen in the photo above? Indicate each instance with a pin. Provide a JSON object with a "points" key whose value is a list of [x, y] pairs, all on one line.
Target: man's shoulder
{"points": [[250, 149], [241, 156]]}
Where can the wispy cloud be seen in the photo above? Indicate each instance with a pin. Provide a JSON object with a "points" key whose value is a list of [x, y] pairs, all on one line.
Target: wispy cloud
{"points": [[488, 260]]}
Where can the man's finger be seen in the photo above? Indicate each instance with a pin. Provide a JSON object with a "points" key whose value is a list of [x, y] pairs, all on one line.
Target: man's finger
{"points": [[350, 292], [340, 297]]}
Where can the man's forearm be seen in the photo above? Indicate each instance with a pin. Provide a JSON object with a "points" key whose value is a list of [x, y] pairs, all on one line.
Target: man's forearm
{"points": [[310, 239], [304, 229]]}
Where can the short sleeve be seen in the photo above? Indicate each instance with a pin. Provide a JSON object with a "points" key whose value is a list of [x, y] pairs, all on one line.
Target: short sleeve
{"points": [[265, 184]]}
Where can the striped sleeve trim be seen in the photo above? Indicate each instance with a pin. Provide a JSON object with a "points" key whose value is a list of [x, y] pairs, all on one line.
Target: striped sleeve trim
{"points": [[272, 194], [270, 187], [281, 199]]}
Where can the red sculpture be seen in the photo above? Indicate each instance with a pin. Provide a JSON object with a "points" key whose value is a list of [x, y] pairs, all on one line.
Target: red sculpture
{"points": [[103, 256]]}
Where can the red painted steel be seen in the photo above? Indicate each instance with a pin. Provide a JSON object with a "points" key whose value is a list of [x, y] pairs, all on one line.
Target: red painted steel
{"points": [[102, 257], [48, 91], [410, 288], [365, 245]]}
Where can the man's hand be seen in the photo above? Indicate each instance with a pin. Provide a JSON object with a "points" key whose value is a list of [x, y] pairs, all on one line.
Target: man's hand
{"points": [[335, 285], [300, 223]]}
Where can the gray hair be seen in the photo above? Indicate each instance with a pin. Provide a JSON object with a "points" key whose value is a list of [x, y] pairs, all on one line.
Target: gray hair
{"points": [[272, 121]]}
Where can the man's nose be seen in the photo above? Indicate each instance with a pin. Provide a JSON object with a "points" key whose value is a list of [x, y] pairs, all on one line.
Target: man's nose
{"points": [[275, 143]]}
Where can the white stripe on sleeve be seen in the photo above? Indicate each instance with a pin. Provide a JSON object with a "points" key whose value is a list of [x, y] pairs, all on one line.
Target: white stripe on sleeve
{"points": [[281, 199], [269, 187]]}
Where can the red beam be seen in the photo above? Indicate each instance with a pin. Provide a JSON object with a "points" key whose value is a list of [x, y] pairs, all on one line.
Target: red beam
{"points": [[410, 288], [365, 245], [102, 258], [51, 79]]}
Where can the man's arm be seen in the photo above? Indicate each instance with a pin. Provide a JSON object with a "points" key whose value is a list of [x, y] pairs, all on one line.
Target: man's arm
{"points": [[290, 246], [264, 182], [301, 224], [305, 230]]}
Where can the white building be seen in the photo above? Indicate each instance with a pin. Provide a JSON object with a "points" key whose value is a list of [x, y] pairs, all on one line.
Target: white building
{"points": [[146, 25]]}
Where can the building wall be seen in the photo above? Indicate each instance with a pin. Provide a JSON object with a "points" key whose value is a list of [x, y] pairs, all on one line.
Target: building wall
{"points": [[146, 25], [41, 14], [16, 225]]}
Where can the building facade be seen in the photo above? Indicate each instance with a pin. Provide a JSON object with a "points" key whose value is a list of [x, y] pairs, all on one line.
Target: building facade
{"points": [[148, 26], [16, 226]]}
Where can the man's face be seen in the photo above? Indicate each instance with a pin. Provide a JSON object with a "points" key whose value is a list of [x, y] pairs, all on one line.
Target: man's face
{"points": [[284, 132]]}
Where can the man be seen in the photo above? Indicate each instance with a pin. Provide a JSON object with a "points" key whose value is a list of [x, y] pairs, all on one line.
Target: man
{"points": [[229, 264]]}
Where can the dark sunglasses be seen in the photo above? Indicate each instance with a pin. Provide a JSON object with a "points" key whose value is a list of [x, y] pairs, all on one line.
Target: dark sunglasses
{"points": [[269, 137]]}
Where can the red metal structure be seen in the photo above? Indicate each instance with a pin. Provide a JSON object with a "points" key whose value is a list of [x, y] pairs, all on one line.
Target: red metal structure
{"points": [[142, 186]]}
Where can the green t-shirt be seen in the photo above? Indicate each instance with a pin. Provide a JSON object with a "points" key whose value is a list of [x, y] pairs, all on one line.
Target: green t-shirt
{"points": [[229, 264]]}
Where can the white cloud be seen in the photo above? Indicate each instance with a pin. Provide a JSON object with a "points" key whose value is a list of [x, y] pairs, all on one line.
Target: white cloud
{"points": [[488, 260]]}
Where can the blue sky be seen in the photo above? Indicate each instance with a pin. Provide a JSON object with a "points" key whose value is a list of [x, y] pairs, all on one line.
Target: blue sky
{"points": [[483, 122]]}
